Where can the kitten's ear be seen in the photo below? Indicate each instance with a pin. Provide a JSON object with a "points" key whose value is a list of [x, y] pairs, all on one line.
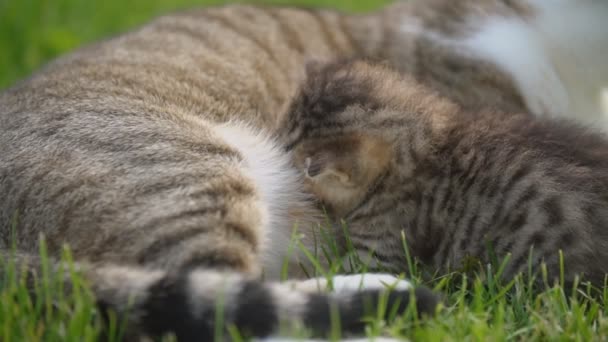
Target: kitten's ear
{"points": [[339, 170]]}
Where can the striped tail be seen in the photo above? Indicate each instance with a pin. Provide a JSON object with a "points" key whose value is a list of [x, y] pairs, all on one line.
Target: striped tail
{"points": [[190, 303], [187, 303]]}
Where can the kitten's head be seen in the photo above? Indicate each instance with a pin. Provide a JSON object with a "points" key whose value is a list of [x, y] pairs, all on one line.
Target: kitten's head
{"points": [[359, 132]]}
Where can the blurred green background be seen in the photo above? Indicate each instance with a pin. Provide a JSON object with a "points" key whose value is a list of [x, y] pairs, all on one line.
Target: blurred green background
{"points": [[34, 31]]}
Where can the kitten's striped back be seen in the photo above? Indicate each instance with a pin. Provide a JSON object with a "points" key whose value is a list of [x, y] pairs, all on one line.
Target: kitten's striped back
{"points": [[389, 156]]}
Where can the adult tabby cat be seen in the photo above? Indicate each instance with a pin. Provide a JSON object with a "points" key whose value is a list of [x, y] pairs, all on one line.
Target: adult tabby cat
{"points": [[148, 154], [148, 151], [388, 155]]}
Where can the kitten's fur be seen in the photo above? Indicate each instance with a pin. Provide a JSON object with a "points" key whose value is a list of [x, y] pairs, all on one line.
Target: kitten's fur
{"points": [[388, 155], [149, 155]]}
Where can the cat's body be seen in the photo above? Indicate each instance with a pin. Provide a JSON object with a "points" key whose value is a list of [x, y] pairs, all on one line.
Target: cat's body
{"points": [[151, 151], [388, 155], [151, 156], [546, 57]]}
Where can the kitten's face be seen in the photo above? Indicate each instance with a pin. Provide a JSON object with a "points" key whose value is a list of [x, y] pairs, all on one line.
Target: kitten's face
{"points": [[351, 131]]}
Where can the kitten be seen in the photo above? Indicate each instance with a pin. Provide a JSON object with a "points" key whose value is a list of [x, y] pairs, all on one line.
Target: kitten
{"points": [[389, 156]]}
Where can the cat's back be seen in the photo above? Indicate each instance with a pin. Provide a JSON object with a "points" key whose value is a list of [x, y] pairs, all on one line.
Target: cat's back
{"points": [[142, 128], [238, 60]]}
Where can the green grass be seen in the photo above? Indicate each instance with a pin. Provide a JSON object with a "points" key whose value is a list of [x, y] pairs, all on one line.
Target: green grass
{"points": [[43, 312], [477, 307]]}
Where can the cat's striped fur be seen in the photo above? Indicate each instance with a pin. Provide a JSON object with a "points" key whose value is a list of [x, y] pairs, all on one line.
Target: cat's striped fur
{"points": [[118, 135], [388, 156], [151, 156]]}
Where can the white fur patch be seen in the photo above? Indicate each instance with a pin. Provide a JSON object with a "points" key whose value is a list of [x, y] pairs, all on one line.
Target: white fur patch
{"points": [[369, 281], [123, 285], [289, 303], [575, 35], [211, 288], [353, 282], [516, 48], [277, 183], [557, 59]]}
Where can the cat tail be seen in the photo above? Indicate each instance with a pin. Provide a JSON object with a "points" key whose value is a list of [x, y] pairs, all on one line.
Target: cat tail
{"points": [[193, 303], [190, 303]]}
